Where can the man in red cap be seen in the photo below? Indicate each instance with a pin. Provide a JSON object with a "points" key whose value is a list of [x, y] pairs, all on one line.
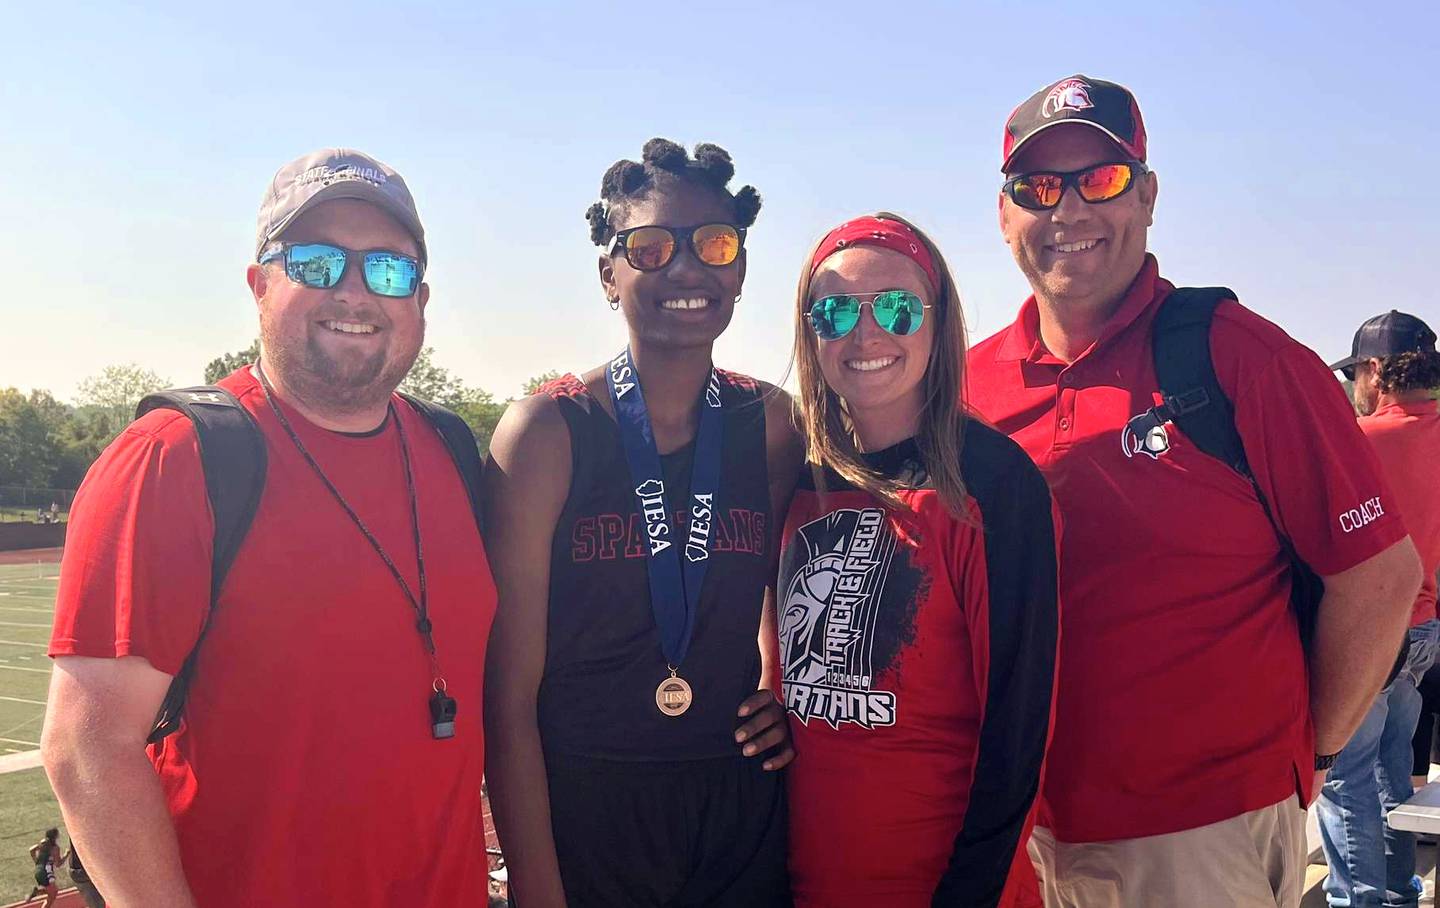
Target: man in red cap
{"points": [[1396, 371], [1190, 720]]}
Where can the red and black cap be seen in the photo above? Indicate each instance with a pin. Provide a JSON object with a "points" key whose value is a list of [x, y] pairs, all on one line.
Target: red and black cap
{"points": [[1386, 335], [1105, 106]]}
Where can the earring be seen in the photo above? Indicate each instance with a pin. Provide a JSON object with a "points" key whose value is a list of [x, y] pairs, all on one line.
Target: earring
{"points": [[737, 298], [614, 304]]}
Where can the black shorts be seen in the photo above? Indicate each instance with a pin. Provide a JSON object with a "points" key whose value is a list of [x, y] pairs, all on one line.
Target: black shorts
{"points": [[44, 875], [688, 834]]}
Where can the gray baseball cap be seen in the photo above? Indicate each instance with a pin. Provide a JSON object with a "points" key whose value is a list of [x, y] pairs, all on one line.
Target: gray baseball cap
{"points": [[334, 173]]}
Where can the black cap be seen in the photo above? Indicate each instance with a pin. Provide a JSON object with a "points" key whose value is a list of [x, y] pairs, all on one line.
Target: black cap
{"points": [[1101, 105], [1386, 335]]}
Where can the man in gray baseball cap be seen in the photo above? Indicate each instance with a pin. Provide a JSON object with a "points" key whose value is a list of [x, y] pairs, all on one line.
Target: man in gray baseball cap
{"points": [[335, 173], [325, 747]]}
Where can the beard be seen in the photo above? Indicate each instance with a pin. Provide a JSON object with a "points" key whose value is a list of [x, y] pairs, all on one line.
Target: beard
{"points": [[1364, 401], [350, 383]]}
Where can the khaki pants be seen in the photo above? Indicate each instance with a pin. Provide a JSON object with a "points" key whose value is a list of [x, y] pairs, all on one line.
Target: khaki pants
{"points": [[1255, 860]]}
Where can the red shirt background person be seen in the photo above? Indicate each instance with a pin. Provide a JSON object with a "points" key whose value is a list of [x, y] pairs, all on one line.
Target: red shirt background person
{"points": [[917, 612], [305, 770], [1182, 726], [1395, 370]]}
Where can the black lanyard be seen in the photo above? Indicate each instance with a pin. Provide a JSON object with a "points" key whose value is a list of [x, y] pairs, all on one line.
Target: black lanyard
{"points": [[675, 584], [442, 707]]}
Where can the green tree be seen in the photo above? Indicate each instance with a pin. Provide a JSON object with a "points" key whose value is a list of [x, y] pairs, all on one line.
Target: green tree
{"points": [[222, 366], [482, 417], [533, 384], [436, 383], [115, 391], [31, 448]]}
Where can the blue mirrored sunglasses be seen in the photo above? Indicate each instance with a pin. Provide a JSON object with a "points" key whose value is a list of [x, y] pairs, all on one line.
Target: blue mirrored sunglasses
{"points": [[322, 266]]}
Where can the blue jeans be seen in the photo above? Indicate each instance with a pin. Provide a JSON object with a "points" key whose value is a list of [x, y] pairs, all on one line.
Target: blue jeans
{"points": [[1371, 864]]}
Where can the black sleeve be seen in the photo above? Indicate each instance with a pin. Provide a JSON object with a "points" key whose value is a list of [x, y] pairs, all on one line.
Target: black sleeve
{"points": [[1023, 610]]}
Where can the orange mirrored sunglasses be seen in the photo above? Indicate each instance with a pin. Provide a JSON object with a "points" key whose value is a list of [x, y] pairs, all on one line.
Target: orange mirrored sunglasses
{"points": [[653, 247], [1042, 190]]}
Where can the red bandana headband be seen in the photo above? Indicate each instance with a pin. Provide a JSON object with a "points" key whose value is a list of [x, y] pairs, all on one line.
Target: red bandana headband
{"points": [[873, 231]]}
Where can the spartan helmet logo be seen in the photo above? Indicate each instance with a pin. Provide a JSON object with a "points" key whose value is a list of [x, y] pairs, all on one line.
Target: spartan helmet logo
{"points": [[1072, 94], [1145, 434]]}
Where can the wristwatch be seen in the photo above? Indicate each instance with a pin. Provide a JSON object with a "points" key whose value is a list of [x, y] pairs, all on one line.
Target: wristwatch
{"points": [[1325, 761]]}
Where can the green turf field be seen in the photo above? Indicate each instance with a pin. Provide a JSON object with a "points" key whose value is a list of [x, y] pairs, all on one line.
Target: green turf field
{"points": [[27, 807], [27, 602]]}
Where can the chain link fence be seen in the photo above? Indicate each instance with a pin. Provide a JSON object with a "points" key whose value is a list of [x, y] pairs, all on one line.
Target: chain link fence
{"points": [[22, 503]]}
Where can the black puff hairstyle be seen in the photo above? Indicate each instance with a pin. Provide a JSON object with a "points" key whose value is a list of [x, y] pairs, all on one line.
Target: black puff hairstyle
{"points": [[662, 159]]}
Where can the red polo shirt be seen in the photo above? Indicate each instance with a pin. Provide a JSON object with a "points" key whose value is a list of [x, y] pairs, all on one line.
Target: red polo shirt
{"points": [[304, 771], [1406, 439], [1182, 687]]}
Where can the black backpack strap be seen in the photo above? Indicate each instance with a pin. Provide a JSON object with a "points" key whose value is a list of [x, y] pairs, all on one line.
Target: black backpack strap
{"points": [[1194, 401], [1191, 393], [459, 441], [232, 451]]}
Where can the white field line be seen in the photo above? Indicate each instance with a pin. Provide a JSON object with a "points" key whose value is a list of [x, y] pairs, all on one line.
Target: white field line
{"points": [[20, 668], [23, 700], [18, 624], [21, 643], [18, 741], [15, 762]]}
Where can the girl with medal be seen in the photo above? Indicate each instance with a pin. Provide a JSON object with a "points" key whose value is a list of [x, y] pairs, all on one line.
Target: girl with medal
{"points": [[917, 596], [635, 754]]}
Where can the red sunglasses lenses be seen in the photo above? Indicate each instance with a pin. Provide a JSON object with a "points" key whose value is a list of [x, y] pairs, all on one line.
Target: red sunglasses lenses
{"points": [[1040, 191]]}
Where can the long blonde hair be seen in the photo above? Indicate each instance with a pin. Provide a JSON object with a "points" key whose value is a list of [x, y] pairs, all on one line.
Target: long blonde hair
{"points": [[830, 435]]}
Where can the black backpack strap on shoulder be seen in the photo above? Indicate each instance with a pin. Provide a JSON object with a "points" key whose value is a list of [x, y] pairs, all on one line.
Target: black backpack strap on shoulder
{"points": [[459, 441], [232, 451], [1186, 372], [1195, 402]]}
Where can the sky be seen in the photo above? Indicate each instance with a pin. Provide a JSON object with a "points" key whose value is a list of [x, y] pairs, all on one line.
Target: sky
{"points": [[1294, 146]]}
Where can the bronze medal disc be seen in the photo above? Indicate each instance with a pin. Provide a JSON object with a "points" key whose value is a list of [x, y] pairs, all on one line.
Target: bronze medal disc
{"points": [[673, 696]]}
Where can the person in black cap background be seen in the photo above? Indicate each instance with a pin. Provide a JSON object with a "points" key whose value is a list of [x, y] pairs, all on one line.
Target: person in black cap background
{"points": [[1181, 735], [309, 766], [1396, 372]]}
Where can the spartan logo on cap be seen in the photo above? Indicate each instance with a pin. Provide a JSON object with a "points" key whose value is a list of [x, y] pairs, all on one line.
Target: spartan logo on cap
{"points": [[1145, 434], [1072, 94]]}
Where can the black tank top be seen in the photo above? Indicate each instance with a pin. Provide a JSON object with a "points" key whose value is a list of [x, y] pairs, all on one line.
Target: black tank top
{"points": [[603, 659]]}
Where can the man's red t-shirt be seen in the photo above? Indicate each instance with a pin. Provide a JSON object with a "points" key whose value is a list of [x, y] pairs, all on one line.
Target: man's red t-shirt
{"points": [[1406, 438], [1183, 696], [305, 772], [918, 660]]}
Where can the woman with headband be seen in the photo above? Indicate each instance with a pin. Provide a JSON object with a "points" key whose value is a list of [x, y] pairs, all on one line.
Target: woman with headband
{"points": [[917, 615], [633, 758]]}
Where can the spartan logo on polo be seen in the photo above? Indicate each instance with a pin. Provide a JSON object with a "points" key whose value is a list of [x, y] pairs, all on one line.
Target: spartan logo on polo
{"points": [[828, 618], [1072, 94], [651, 493], [1145, 434]]}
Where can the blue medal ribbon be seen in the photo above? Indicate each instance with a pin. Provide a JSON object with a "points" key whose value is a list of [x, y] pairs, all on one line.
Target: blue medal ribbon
{"points": [[675, 582]]}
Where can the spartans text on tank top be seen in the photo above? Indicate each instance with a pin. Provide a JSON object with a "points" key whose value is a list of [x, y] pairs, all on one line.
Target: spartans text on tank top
{"points": [[603, 656]]}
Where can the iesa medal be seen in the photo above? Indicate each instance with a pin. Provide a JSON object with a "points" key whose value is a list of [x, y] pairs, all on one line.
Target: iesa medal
{"points": [[674, 585], [674, 696]]}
